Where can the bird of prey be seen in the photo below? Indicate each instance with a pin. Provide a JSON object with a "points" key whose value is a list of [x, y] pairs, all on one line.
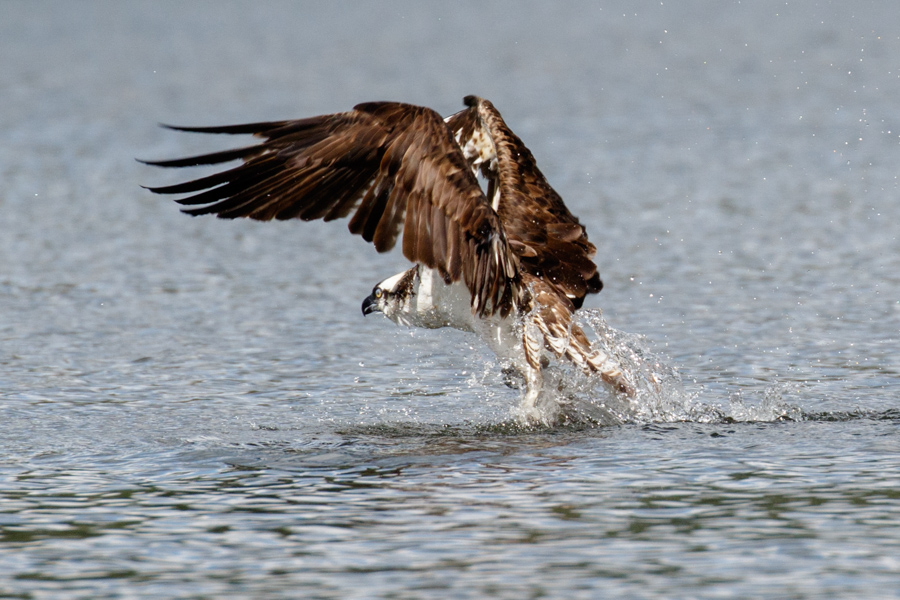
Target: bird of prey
{"points": [[509, 262]]}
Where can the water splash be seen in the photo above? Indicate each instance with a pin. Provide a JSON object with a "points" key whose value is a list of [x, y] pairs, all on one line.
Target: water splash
{"points": [[571, 398], [772, 407]]}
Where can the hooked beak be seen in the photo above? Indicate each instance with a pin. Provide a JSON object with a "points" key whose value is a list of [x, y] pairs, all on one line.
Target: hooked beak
{"points": [[369, 305]]}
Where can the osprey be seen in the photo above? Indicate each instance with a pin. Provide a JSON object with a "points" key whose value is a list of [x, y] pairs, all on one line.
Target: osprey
{"points": [[510, 264]]}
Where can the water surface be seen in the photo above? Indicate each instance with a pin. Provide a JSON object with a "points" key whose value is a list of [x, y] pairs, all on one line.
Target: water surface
{"points": [[193, 408]]}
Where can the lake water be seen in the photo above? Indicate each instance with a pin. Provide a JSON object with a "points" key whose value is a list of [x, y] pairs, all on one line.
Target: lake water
{"points": [[193, 408]]}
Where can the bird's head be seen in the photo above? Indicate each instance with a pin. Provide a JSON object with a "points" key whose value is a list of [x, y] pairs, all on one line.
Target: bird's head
{"points": [[391, 296]]}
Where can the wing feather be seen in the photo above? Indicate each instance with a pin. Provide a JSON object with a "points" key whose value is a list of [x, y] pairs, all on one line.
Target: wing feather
{"points": [[548, 240], [395, 167]]}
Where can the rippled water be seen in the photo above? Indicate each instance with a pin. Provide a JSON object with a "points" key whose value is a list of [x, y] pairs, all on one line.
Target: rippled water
{"points": [[192, 408]]}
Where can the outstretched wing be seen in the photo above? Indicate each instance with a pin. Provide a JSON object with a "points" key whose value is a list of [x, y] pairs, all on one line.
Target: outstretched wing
{"points": [[550, 242], [396, 165]]}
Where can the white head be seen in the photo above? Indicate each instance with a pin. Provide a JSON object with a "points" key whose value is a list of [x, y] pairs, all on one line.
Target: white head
{"points": [[392, 296]]}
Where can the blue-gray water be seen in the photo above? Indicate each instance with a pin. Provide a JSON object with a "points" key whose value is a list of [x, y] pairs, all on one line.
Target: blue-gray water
{"points": [[192, 408]]}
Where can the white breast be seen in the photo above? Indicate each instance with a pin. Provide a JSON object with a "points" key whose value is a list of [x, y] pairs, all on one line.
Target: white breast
{"points": [[436, 304]]}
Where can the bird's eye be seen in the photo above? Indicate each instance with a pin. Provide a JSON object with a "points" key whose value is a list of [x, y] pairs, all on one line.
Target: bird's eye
{"points": [[378, 293]]}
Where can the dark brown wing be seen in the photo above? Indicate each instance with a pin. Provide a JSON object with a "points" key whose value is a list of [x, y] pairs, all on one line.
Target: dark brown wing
{"points": [[396, 165], [549, 241]]}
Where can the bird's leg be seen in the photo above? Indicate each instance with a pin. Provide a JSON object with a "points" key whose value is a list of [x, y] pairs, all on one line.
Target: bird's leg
{"points": [[534, 383], [533, 343]]}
